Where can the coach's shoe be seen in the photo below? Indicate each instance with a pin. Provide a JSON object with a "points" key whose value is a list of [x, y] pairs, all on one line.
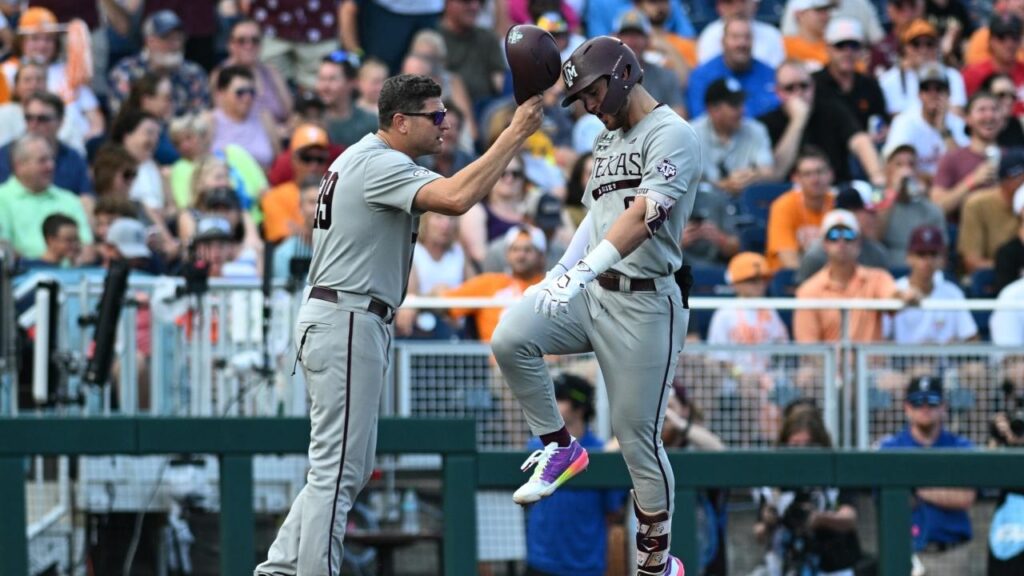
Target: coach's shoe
{"points": [[653, 537], [555, 466]]}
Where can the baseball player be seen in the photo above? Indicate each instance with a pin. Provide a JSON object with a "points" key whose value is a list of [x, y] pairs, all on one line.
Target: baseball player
{"points": [[613, 292], [363, 235]]}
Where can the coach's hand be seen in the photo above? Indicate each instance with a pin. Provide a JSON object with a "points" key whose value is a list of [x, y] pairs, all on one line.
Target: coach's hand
{"points": [[528, 116], [553, 299]]}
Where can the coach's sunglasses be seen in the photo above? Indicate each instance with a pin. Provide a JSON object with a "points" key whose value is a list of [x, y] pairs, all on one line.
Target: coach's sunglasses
{"points": [[437, 116]]}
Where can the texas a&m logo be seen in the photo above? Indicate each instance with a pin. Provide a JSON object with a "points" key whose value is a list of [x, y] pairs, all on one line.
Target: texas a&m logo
{"points": [[569, 74]]}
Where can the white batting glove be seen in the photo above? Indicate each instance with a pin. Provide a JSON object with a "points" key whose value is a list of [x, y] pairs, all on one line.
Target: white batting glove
{"points": [[555, 272], [553, 299]]}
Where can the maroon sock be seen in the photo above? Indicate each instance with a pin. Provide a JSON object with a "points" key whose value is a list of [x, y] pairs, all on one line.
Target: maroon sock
{"points": [[560, 436]]}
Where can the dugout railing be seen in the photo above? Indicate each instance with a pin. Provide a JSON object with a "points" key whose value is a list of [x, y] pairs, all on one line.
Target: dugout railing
{"points": [[464, 471]]}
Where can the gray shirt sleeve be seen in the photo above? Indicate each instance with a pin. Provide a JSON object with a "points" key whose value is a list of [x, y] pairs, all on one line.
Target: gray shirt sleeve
{"points": [[392, 179], [762, 144], [673, 159]]}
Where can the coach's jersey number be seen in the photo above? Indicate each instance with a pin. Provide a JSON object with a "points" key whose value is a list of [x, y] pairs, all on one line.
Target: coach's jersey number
{"points": [[323, 201]]}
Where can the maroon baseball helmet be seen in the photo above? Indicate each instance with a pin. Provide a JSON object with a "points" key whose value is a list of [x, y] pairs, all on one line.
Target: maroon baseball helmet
{"points": [[600, 57], [534, 60]]}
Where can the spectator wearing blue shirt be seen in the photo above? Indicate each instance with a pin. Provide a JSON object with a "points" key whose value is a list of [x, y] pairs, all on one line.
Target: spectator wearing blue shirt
{"points": [[737, 61], [940, 523], [567, 532], [601, 16], [44, 113]]}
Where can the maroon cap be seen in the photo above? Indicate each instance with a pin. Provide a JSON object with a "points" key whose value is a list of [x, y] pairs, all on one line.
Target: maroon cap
{"points": [[926, 238]]}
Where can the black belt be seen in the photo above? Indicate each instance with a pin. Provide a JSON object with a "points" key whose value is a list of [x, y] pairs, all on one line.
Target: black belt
{"points": [[612, 281], [943, 546], [327, 295]]}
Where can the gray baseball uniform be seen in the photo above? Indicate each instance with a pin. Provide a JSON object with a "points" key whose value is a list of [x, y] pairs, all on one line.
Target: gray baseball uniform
{"points": [[637, 334], [362, 253]]}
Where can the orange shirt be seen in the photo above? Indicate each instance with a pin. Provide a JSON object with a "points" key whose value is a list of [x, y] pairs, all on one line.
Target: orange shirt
{"points": [[281, 212], [977, 48], [491, 284], [687, 48], [792, 226], [799, 49], [811, 326]]}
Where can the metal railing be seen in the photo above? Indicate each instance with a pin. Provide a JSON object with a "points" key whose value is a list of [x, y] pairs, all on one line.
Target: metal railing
{"points": [[465, 471]]}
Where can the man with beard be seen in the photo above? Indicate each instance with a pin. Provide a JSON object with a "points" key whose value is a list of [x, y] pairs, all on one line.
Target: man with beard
{"points": [[973, 167], [940, 523], [767, 38], [164, 53], [736, 61]]}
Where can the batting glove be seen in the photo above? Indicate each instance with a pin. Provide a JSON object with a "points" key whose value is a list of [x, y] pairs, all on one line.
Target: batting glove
{"points": [[555, 272], [553, 299]]}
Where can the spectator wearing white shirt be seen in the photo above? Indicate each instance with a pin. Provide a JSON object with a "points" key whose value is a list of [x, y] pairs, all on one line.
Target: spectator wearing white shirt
{"points": [[1007, 326], [861, 10], [920, 43], [768, 46], [926, 255]]}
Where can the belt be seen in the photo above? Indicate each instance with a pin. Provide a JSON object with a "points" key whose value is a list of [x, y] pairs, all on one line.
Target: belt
{"points": [[943, 546], [327, 295], [619, 283]]}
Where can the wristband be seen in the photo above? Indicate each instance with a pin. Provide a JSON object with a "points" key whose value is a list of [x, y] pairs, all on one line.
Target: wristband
{"points": [[602, 258]]}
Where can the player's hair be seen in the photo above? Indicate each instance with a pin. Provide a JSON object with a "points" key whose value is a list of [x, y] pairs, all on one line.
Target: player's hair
{"points": [[53, 224], [229, 73], [46, 99], [404, 93], [110, 160], [805, 420]]}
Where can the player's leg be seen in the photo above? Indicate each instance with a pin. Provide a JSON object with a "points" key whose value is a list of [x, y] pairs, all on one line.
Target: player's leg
{"points": [[283, 556], [637, 345], [520, 342], [344, 366]]}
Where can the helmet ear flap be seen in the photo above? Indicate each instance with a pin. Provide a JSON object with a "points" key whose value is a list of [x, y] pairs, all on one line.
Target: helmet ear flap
{"points": [[624, 75]]}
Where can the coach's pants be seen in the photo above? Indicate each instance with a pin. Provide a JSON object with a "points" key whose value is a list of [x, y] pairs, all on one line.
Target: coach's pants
{"points": [[344, 354], [637, 338]]}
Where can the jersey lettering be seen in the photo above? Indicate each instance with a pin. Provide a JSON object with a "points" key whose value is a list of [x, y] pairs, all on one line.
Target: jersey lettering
{"points": [[613, 186], [618, 165], [324, 201]]}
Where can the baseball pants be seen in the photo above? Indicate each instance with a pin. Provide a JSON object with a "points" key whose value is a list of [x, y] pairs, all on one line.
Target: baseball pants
{"points": [[344, 351], [637, 338]]}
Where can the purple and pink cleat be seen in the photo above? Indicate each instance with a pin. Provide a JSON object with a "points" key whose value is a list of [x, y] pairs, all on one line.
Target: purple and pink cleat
{"points": [[555, 466]]}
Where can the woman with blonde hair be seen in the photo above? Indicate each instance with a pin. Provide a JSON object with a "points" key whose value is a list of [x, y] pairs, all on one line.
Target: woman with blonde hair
{"points": [[212, 193]]}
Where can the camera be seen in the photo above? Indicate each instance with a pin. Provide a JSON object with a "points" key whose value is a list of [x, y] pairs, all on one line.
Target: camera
{"points": [[1013, 410]]}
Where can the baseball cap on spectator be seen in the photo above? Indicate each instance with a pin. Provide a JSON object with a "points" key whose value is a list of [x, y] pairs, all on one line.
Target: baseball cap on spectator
{"points": [[307, 101], [577, 391], [128, 235], [535, 235], [889, 153], [1011, 163], [842, 30], [798, 5], [633, 20], [746, 266], [307, 135], [932, 73], [221, 197], [924, 390], [1004, 24], [726, 90], [211, 228], [917, 29], [926, 238], [855, 195], [547, 215], [837, 218], [553, 22], [37, 19], [161, 23]]}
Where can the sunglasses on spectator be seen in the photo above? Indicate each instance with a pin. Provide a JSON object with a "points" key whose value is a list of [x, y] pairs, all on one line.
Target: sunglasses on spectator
{"points": [[436, 117], [934, 87], [313, 158], [848, 45], [918, 400], [839, 233], [926, 254], [517, 174], [341, 57], [129, 173], [251, 40], [243, 92], [1007, 36], [795, 87], [925, 42], [40, 118], [1007, 95]]}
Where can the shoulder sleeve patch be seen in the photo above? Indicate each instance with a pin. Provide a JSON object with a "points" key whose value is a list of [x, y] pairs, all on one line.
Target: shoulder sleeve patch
{"points": [[667, 169]]}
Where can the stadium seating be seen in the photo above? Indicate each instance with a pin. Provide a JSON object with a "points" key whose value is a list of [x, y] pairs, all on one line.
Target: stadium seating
{"points": [[708, 281], [756, 200], [982, 285]]}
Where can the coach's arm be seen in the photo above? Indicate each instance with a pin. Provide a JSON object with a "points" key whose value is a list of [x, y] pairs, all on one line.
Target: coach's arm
{"points": [[455, 195]]}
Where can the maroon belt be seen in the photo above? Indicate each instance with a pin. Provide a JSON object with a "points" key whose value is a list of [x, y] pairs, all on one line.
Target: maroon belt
{"points": [[613, 282], [327, 295]]}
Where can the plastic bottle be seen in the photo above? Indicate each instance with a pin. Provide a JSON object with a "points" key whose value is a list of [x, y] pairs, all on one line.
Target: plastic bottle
{"points": [[410, 512]]}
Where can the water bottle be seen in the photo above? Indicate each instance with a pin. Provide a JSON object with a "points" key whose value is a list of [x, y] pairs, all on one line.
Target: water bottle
{"points": [[410, 512]]}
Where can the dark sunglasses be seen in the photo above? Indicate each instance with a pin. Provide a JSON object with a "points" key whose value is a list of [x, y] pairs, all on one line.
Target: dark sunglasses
{"points": [[517, 174], [924, 43], [437, 116], [848, 45], [1007, 36], [252, 40], [242, 92], [313, 158], [918, 400], [839, 233], [926, 254], [130, 174], [342, 57], [795, 87], [1006, 95], [934, 87], [40, 118]]}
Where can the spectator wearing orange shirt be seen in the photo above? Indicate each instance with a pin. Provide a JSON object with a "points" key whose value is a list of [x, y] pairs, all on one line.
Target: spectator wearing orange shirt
{"points": [[1004, 45], [977, 47], [808, 44], [795, 217], [842, 277], [525, 256], [310, 157]]}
